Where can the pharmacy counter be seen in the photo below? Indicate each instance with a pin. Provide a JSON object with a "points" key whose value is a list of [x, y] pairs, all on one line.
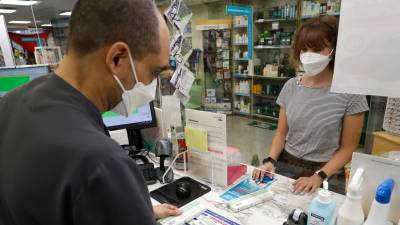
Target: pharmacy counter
{"points": [[272, 212]]}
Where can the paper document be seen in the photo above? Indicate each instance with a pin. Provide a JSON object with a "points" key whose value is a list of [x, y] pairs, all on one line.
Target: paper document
{"points": [[214, 124], [120, 136], [178, 14], [183, 98], [245, 187], [196, 138], [183, 79], [208, 217], [212, 165], [171, 108], [367, 62]]}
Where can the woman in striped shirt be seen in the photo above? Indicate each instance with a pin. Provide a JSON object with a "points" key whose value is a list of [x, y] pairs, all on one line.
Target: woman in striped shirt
{"points": [[317, 130]]}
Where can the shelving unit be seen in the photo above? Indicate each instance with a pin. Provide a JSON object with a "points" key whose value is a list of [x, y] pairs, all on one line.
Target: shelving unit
{"points": [[217, 68], [241, 81], [274, 27], [272, 47], [266, 117], [311, 9]]}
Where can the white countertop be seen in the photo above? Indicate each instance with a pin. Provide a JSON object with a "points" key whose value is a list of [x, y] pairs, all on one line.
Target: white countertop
{"points": [[273, 212]]}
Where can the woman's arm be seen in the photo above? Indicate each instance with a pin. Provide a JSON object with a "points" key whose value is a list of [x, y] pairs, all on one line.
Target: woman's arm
{"points": [[278, 143], [351, 132]]}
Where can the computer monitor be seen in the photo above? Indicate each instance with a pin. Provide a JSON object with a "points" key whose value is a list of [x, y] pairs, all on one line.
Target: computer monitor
{"points": [[143, 117]]}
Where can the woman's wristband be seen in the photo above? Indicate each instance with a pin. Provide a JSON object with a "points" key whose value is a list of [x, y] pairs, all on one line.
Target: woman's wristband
{"points": [[271, 160]]}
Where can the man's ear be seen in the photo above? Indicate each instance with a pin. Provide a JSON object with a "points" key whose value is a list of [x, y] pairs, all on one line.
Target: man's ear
{"points": [[115, 56]]}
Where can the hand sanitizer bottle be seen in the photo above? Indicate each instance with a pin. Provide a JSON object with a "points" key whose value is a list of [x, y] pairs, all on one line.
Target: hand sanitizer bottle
{"points": [[379, 212], [322, 210], [351, 212]]}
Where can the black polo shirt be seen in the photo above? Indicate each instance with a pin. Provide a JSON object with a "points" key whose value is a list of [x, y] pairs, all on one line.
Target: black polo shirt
{"points": [[58, 166]]}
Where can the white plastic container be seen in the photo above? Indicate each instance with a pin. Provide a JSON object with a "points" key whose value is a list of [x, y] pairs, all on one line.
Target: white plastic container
{"points": [[379, 212], [351, 212]]}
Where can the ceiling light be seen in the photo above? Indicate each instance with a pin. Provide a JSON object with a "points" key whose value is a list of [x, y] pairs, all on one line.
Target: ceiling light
{"points": [[19, 22], [8, 11], [66, 13], [18, 2], [47, 25]]}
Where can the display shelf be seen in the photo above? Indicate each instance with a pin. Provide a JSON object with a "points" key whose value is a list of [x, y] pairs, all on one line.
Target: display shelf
{"points": [[241, 113], [241, 59], [325, 14], [270, 97], [272, 47], [242, 76], [239, 26], [240, 44], [271, 78], [261, 21], [242, 95], [265, 116]]}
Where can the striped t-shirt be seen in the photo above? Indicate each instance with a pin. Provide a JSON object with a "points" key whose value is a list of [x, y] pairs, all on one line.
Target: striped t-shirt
{"points": [[315, 117]]}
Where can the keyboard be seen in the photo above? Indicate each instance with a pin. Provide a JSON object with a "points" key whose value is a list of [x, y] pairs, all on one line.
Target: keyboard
{"points": [[148, 172]]}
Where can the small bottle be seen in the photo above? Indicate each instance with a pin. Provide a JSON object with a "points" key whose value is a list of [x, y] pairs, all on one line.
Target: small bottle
{"points": [[379, 211], [322, 210]]}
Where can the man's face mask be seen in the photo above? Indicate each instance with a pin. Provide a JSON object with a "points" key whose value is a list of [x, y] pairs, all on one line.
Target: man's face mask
{"points": [[138, 96]]}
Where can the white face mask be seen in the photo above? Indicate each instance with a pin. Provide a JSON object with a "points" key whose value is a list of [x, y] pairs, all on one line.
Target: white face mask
{"points": [[314, 63], [138, 96]]}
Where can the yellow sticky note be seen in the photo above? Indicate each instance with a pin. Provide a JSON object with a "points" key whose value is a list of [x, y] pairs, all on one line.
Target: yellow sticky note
{"points": [[196, 138]]}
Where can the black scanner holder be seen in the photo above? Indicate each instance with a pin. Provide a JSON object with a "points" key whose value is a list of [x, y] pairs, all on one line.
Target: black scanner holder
{"points": [[164, 150]]}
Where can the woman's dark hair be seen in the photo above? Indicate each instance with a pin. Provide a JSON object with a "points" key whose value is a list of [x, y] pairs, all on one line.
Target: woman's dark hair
{"points": [[316, 34]]}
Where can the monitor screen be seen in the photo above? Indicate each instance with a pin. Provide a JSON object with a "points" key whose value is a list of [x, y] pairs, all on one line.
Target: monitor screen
{"points": [[142, 117]]}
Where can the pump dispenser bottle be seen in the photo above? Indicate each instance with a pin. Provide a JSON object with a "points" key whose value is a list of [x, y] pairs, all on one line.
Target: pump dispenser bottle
{"points": [[322, 210], [351, 212]]}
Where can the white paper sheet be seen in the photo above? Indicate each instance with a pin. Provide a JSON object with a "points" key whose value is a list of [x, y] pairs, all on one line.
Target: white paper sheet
{"points": [[368, 48], [120, 136], [214, 123], [171, 108], [179, 15], [183, 98], [212, 166], [183, 79]]}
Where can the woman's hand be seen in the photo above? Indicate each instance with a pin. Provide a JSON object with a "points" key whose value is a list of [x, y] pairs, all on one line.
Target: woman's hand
{"points": [[259, 174], [307, 184], [165, 210]]}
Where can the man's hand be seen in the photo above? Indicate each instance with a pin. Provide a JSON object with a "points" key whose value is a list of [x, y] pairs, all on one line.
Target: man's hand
{"points": [[165, 210], [307, 184]]}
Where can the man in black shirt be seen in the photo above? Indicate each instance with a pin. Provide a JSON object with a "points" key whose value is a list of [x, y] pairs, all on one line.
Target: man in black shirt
{"points": [[57, 164]]}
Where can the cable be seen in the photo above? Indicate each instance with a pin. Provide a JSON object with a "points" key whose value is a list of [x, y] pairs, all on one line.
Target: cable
{"points": [[37, 31]]}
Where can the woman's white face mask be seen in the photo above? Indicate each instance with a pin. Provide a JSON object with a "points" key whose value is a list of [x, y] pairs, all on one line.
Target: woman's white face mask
{"points": [[314, 63], [138, 96]]}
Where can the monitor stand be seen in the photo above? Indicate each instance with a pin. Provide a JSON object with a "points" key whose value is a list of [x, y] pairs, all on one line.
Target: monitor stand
{"points": [[135, 139]]}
